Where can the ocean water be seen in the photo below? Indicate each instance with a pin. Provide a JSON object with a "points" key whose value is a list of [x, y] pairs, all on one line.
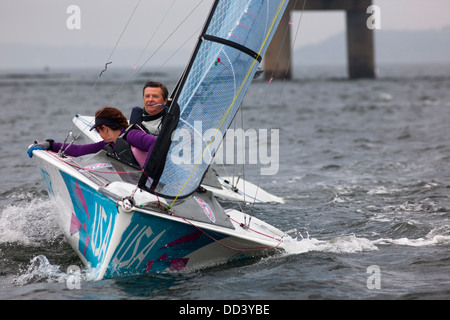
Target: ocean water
{"points": [[363, 167]]}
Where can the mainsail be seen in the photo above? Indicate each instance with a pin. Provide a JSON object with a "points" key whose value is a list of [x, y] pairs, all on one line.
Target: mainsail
{"points": [[235, 37]]}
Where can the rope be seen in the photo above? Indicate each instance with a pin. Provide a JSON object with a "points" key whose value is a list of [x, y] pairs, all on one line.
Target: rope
{"points": [[284, 80], [290, 58], [156, 51], [227, 246], [163, 17], [108, 61]]}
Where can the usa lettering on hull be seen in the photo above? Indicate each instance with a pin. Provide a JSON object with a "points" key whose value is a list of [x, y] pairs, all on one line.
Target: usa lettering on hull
{"points": [[131, 254]]}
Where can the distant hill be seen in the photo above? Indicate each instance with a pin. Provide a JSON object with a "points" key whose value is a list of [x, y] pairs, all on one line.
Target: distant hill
{"points": [[38, 56], [390, 47]]}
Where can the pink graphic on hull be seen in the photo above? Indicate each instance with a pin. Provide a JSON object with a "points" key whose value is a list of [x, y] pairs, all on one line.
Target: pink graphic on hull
{"points": [[175, 264], [81, 197], [75, 225], [190, 237]]}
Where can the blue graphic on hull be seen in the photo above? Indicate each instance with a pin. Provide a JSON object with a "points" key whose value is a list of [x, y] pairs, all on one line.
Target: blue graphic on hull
{"points": [[47, 181], [154, 244], [92, 221]]}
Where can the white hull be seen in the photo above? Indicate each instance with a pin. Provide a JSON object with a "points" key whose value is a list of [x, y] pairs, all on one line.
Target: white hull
{"points": [[241, 190], [117, 238]]}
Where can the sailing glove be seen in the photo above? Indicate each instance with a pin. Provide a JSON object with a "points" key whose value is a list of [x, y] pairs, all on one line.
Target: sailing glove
{"points": [[47, 145]]}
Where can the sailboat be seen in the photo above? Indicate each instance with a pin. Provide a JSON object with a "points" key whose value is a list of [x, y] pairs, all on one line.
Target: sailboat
{"points": [[122, 220]]}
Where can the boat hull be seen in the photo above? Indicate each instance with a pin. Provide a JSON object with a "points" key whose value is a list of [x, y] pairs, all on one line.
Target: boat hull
{"points": [[114, 239]]}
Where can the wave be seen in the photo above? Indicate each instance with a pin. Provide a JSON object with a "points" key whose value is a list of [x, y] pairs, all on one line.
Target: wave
{"points": [[437, 236], [29, 223], [353, 243], [41, 270], [341, 244]]}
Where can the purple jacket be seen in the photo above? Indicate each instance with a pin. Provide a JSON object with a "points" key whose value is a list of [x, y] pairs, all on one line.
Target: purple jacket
{"points": [[136, 138]]}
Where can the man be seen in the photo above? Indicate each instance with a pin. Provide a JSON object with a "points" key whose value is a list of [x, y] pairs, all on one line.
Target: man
{"points": [[150, 117]]}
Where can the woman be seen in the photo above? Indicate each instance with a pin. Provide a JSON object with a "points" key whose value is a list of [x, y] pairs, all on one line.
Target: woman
{"points": [[126, 143]]}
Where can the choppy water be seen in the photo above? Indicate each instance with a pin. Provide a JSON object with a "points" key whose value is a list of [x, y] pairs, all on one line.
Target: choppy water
{"points": [[364, 169]]}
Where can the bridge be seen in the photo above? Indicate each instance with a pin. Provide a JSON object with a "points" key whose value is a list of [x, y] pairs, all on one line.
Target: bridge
{"points": [[360, 40]]}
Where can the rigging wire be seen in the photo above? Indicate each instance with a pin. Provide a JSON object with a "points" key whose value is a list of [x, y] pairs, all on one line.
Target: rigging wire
{"points": [[243, 153], [156, 51], [292, 47], [134, 72], [163, 17], [108, 61], [287, 32], [177, 50], [142, 52]]}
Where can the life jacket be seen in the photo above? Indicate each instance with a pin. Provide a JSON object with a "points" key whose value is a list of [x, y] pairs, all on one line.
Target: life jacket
{"points": [[150, 124], [123, 150]]}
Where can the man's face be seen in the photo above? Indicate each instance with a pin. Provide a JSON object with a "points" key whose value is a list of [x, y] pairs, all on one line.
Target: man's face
{"points": [[153, 98]]}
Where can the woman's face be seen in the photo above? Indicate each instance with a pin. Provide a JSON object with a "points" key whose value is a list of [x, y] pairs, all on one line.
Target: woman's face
{"points": [[107, 134]]}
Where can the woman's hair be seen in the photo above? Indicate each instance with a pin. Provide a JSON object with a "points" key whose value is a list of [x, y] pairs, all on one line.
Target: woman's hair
{"points": [[118, 120]]}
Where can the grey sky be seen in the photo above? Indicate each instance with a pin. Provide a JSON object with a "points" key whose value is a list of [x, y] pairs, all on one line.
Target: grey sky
{"points": [[43, 22]]}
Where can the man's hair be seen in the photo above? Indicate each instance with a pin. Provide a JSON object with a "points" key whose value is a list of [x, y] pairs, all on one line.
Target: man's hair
{"points": [[155, 84]]}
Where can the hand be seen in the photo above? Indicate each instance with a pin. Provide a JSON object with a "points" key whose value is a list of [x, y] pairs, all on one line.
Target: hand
{"points": [[38, 146]]}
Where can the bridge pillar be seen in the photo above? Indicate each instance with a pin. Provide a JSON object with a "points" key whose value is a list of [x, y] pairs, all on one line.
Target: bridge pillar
{"points": [[360, 46], [277, 60], [360, 40]]}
